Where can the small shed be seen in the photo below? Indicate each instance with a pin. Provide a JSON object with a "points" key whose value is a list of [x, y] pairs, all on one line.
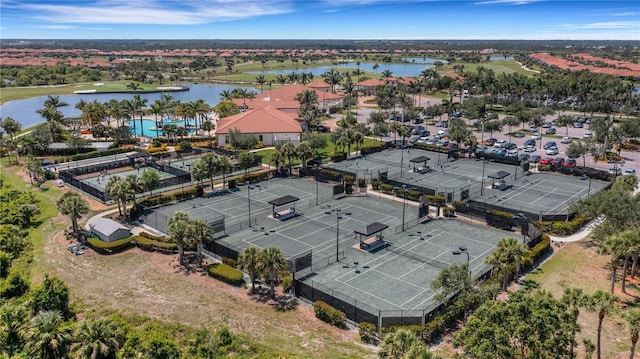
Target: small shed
{"points": [[108, 230], [420, 159], [287, 213], [375, 239]]}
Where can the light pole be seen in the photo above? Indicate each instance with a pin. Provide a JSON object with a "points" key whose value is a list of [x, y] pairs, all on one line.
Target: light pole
{"points": [[248, 184], [317, 171], [482, 184], [338, 218], [182, 179], [401, 159], [515, 176], [404, 203], [463, 249], [585, 177]]}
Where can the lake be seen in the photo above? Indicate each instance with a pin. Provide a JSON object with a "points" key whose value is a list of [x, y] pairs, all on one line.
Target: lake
{"points": [[409, 69], [24, 111]]}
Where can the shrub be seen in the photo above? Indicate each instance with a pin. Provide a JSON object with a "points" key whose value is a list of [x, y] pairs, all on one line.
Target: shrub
{"points": [[230, 262], [287, 283], [459, 206], [152, 150], [375, 184], [153, 245], [448, 212], [563, 228], [386, 188], [438, 201], [329, 314], [364, 150], [225, 273], [338, 156], [368, 333], [348, 179], [362, 182], [101, 246], [233, 183], [538, 251], [152, 237]]}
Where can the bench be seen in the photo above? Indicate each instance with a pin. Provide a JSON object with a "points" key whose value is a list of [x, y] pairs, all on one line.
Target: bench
{"points": [[284, 215], [372, 244], [502, 186]]}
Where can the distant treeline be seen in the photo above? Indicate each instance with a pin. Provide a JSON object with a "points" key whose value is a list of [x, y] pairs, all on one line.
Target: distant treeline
{"points": [[444, 45]]}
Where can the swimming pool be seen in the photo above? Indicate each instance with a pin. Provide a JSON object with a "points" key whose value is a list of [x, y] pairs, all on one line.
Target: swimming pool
{"points": [[149, 127]]}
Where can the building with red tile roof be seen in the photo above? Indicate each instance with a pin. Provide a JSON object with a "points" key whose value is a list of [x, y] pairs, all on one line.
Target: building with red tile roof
{"points": [[270, 125], [284, 98]]}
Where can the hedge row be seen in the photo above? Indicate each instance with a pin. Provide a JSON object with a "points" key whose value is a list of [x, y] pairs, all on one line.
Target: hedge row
{"points": [[337, 156], [152, 237], [368, 333], [365, 150], [335, 176], [225, 273], [152, 245], [500, 213], [253, 177], [433, 148], [438, 201], [538, 251], [230, 262], [329, 314], [563, 228], [92, 154], [101, 246]]}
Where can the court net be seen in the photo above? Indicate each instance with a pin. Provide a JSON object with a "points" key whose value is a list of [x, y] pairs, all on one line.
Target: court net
{"points": [[417, 257]]}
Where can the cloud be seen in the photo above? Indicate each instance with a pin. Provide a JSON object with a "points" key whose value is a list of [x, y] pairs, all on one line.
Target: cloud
{"points": [[506, 2], [625, 13], [605, 25], [56, 27], [169, 12]]}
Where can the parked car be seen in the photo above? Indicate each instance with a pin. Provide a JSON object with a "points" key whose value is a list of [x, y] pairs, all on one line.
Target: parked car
{"points": [[512, 153], [532, 129], [570, 162], [549, 145], [490, 141], [416, 130], [500, 152], [414, 139], [578, 125], [441, 124], [552, 151], [456, 114], [530, 142], [546, 160], [418, 120], [432, 141], [547, 125], [558, 161], [323, 129], [530, 148], [536, 136], [566, 139], [629, 171], [500, 144], [550, 131], [518, 135], [524, 156], [510, 146], [534, 158], [588, 134], [615, 170], [481, 149]]}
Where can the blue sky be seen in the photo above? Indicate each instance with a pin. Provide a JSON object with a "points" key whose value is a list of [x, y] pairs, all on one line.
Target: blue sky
{"points": [[320, 19]]}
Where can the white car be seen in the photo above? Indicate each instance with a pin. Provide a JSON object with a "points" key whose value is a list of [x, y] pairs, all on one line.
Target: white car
{"points": [[629, 171], [552, 151], [566, 139], [588, 134], [512, 153], [530, 149], [615, 170], [500, 143], [536, 136]]}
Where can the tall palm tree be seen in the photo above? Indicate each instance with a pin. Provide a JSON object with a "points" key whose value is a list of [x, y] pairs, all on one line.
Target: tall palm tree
{"points": [[98, 339], [48, 336], [308, 100], [261, 81], [249, 261], [575, 299], [281, 79], [135, 186], [386, 74], [52, 114], [224, 166], [150, 180], [304, 151], [139, 103], [201, 232], [198, 171], [288, 151], [13, 316], [72, 205], [112, 188], [10, 126], [633, 319], [157, 109], [272, 261], [210, 161], [179, 231], [276, 158], [603, 303]]}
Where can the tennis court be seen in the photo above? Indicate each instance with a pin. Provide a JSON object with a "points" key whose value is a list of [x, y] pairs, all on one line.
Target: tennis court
{"points": [[543, 193], [395, 277], [99, 180]]}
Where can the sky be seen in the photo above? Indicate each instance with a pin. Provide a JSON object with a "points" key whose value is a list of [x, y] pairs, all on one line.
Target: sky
{"points": [[320, 19]]}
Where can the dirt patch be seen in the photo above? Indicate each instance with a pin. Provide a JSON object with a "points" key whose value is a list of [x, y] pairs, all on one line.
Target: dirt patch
{"points": [[155, 285]]}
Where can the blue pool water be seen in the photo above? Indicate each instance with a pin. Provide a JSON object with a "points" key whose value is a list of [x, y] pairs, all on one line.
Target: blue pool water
{"points": [[149, 127]]}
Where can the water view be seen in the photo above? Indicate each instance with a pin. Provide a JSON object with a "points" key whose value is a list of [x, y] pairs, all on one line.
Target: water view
{"points": [[24, 111], [412, 69]]}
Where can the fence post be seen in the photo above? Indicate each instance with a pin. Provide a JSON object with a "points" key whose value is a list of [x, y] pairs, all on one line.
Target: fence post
{"points": [[379, 323]]}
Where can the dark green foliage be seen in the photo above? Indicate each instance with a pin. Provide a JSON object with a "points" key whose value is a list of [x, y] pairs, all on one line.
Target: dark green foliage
{"points": [[563, 228], [11, 206], [438, 201], [166, 198], [16, 285], [337, 156], [230, 262], [154, 245], [254, 177], [12, 240], [101, 246], [329, 314], [538, 251], [225, 273], [53, 295], [368, 333]]}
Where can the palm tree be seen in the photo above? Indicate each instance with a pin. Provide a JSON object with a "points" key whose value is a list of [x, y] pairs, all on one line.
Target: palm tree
{"points": [[209, 126], [138, 104], [201, 232], [288, 151], [198, 171], [224, 165], [210, 161], [10, 126], [276, 158], [272, 261], [93, 113], [179, 231], [565, 121], [98, 339], [72, 205], [150, 180], [249, 261], [281, 79], [48, 336], [135, 186], [401, 344], [261, 81], [113, 188], [157, 109], [51, 113], [603, 303], [386, 74], [12, 319], [308, 100], [574, 298], [633, 319], [304, 151]]}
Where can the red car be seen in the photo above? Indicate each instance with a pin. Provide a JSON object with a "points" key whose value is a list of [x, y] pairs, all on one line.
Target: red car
{"points": [[546, 161], [570, 162], [558, 161], [490, 142]]}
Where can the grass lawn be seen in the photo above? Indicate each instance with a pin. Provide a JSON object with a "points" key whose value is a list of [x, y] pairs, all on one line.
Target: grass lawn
{"points": [[577, 265]]}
